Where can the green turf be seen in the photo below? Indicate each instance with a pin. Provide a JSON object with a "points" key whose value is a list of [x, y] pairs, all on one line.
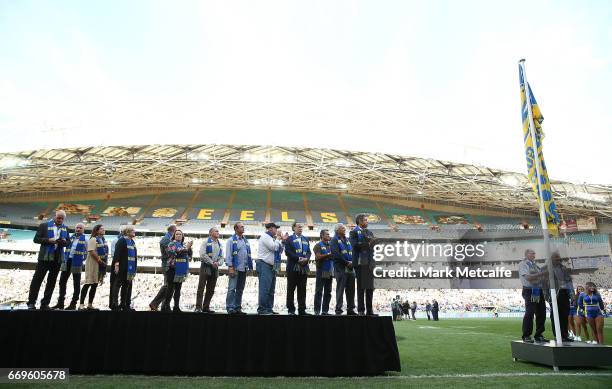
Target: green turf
{"points": [[432, 355]]}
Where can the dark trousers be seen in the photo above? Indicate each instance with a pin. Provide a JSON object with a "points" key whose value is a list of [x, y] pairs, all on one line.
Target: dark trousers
{"points": [[345, 284], [123, 285], [367, 295], [296, 280], [428, 315], [76, 285], [173, 290], [161, 295], [208, 283], [323, 287], [563, 306], [42, 268], [434, 314], [112, 303], [92, 293], [413, 313], [532, 308]]}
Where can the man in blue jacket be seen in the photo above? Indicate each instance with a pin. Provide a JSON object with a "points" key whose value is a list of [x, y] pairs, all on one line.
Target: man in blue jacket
{"points": [[342, 255]]}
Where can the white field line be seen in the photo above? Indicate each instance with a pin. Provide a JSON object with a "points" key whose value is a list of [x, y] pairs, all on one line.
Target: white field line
{"points": [[390, 377]]}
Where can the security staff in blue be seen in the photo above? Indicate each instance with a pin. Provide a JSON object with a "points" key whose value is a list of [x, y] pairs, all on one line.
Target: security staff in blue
{"points": [[363, 262], [297, 250], [238, 254], [324, 275]]}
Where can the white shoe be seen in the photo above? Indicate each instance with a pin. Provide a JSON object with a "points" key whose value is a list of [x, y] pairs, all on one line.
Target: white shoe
{"points": [[577, 339], [81, 307]]}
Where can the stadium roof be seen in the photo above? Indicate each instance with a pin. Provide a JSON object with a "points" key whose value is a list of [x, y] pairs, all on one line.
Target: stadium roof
{"points": [[87, 169]]}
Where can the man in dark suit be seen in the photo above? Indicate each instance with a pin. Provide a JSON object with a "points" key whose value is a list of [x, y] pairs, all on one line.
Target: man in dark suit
{"points": [[297, 250], [343, 270], [52, 237], [363, 262], [123, 277]]}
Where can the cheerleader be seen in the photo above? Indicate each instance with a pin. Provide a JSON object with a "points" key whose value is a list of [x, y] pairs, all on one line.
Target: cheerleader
{"points": [[580, 322], [593, 307], [573, 313]]}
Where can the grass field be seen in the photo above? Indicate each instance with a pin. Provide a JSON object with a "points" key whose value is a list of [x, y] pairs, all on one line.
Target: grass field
{"points": [[450, 353]]}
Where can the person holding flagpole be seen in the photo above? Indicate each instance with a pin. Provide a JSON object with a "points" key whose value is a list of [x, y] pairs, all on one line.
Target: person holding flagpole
{"points": [[532, 277]]}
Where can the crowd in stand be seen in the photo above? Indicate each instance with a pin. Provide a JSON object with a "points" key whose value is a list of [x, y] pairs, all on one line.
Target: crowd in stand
{"points": [[461, 300]]}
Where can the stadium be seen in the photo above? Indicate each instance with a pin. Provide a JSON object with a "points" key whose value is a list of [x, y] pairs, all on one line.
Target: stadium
{"points": [[220, 185], [320, 194]]}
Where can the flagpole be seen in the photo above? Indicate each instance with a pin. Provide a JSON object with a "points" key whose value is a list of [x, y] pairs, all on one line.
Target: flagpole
{"points": [[543, 220]]}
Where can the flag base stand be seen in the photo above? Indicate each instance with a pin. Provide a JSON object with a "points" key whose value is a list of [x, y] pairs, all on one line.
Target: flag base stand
{"points": [[570, 354]]}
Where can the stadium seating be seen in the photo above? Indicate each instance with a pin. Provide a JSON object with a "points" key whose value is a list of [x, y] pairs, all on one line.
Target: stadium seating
{"points": [[205, 208]]}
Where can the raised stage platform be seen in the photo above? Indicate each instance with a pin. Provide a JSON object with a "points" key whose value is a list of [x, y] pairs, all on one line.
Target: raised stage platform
{"points": [[570, 354], [157, 343]]}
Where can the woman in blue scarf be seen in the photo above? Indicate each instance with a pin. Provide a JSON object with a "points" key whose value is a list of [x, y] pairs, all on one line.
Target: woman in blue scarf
{"points": [[179, 255]]}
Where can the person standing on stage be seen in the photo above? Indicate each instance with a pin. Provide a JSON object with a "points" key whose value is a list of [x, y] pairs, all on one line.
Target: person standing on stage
{"points": [[363, 262], [325, 273], [125, 262], [342, 255], [564, 288], [239, 261], [297, 250], [163, 246], [97, 253], [211, 257], [532, 277], [179, 256], [52, 237], [74, 256], [435, 308], [270, 247], [113, 304]]}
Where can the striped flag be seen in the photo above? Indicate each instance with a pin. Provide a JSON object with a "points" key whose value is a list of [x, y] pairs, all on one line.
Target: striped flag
{"points": [[550, 208]]}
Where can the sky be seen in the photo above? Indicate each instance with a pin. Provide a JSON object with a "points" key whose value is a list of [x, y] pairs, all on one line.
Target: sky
{"points": [[433, 79]]}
